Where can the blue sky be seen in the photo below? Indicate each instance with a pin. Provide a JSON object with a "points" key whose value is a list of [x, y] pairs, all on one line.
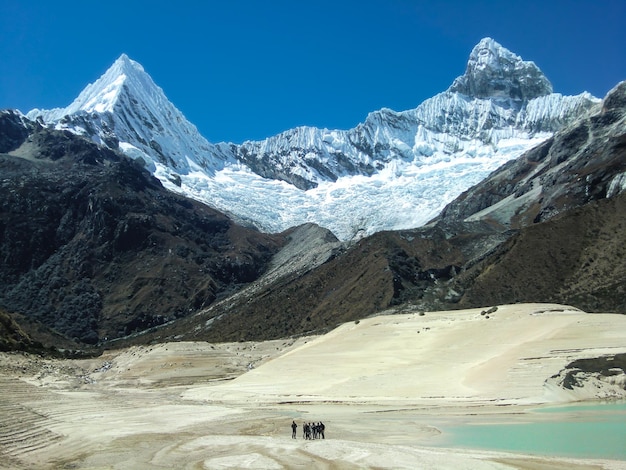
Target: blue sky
{"points": [[247, 69]]}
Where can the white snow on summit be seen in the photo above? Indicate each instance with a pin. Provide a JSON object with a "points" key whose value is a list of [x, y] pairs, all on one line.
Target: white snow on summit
{"points": [[396, 170], [126, 106], [98, 97]]}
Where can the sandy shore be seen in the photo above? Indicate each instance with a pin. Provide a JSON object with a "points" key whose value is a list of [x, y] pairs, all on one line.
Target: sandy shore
{"points": [[385, 387]]}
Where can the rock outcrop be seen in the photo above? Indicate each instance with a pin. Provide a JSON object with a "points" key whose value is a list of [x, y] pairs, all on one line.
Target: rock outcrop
{"points": [[494, 72], [601, 377]]}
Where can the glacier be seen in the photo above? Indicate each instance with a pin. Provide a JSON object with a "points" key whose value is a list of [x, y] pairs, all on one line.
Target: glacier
{"points": [[396, 170]]}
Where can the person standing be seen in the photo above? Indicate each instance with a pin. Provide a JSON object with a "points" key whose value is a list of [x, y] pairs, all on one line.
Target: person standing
{"points": [[294, 426]]}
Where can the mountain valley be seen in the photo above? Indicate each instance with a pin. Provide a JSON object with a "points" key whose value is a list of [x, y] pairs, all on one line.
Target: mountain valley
{"points": [[103, 247]]}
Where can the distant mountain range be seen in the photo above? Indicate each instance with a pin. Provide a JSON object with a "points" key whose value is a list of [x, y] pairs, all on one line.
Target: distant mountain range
{"points": [[96, 251], [396, 170]]}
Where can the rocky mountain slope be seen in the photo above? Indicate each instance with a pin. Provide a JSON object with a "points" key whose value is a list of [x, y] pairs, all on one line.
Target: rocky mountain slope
{"points": [[390, 172], [568, 197], [582, 163], [94, 247]]}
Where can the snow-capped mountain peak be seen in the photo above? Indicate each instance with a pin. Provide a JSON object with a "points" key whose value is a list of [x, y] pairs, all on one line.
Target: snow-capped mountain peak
{"points": [[495, 72], [124, 108], [396, 170], [125, 75], [102, 95]]}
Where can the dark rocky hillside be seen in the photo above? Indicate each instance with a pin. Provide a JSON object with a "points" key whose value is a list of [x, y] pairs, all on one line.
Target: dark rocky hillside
{"points": [[13, 337], [577, 258], [20, 333], [94, 247], [386, 270]]}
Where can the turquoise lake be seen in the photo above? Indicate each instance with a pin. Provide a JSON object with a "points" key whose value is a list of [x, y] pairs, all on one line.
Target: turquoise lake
{"points": [[581, 431]]}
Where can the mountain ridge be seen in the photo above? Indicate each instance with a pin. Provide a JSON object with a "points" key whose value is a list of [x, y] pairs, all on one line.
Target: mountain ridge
{"points": [[580, 163]]}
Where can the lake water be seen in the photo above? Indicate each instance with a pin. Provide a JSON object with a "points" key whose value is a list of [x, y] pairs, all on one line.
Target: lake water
{"points": [[582, 431]]}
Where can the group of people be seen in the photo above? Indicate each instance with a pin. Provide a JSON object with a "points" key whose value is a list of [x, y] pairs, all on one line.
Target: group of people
{"points": [[309, 430]]}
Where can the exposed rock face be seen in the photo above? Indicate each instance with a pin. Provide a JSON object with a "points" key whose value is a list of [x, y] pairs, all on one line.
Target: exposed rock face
{"points": [[494, 72], [567, 201], [600, 377], [13, 131], [586, 161], [615, 99]]}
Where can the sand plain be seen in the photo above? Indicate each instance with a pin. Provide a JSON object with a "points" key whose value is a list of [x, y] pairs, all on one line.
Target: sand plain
{"points": [[386, 387]]}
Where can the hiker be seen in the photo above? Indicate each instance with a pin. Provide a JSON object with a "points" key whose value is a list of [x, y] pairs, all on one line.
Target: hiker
{"points": [[309, 430]]}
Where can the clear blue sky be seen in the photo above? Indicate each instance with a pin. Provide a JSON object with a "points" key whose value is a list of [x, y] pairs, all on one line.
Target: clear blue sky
{"points": [[250, 69]]}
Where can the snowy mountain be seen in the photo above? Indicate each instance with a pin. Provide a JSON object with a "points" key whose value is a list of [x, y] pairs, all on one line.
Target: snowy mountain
{"points": [[581, 163], [126, 108], [395, 170]]}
